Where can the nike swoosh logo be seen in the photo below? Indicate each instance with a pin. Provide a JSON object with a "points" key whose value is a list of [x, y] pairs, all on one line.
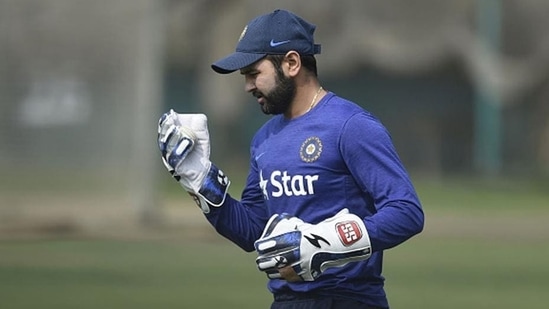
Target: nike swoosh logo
{"points": [[259, 156], [275, 44]]}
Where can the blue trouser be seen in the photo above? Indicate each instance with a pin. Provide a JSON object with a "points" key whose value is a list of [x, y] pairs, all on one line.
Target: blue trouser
{"points": [[291, 301]]}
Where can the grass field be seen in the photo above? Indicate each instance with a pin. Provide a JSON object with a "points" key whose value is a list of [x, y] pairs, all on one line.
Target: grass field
{"points": [[485, 245]]}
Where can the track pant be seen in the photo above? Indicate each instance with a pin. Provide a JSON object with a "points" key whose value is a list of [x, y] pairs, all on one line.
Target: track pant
{"points": [[318, 303]]}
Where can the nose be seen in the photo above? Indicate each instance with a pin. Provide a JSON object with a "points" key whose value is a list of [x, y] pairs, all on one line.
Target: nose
{"points": [[249, 84]]}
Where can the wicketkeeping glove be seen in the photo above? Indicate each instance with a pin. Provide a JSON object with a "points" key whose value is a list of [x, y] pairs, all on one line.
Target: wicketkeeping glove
{"points": [[184, 143], [310, 249]]}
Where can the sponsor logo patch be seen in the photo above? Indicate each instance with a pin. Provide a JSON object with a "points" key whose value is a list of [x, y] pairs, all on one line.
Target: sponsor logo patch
{"points": [[287, 185], [349, 232]]}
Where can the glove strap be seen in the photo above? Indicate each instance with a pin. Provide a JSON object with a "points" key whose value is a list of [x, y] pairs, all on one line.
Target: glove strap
{"points": [[213, 191]]}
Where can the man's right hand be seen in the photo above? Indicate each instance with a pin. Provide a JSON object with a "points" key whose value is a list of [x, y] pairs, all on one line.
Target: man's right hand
{"points": [[184, 143]]}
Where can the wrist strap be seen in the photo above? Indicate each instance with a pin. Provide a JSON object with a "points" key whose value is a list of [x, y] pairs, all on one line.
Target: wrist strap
{"points": [[215, 186], [213, 191]]}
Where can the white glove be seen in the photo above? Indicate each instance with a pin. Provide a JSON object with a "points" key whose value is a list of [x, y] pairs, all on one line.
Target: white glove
{"points": [[310, 249], [184, 143]]}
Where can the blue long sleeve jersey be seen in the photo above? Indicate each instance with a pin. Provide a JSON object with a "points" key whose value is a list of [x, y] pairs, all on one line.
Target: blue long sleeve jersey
{"points": [[335, 156]]}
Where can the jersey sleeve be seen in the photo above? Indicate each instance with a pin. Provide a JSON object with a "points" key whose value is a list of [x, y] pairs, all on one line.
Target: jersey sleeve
{"points": [[242, 222], [371, 157]]}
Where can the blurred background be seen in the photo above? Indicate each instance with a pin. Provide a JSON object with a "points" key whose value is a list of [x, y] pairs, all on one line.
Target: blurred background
{"points": [[86, 205]]}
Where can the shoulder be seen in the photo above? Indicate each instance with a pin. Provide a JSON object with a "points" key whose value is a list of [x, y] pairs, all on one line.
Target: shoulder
{"points": [[347, 114], [268, 128]]}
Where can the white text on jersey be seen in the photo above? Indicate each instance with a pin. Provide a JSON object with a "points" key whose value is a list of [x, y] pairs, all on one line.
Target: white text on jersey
{"points": [[296, 185]]}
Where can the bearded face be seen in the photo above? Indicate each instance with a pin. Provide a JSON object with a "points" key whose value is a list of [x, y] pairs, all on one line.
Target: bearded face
{"points": [[277, 101]]}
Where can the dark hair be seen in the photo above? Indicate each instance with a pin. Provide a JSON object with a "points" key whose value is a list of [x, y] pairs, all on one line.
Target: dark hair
{"points": [[307, 61]]}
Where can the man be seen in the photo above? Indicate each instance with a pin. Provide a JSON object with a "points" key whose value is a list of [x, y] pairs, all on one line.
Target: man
{"points": [[326, 191]]}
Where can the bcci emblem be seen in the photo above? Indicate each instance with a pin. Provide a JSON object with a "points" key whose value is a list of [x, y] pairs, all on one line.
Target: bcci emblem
{"points": [[310, 149]]}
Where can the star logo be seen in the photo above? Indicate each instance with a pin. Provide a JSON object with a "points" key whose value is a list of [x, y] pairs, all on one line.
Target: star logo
{"points": [[263, 185], [310, 149]]}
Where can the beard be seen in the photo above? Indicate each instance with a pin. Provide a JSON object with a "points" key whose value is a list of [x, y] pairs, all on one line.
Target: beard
{"points": [[278, 100]]}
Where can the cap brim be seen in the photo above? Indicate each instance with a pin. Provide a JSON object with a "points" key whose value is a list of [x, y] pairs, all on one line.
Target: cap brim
{"points": [[235, 61]]}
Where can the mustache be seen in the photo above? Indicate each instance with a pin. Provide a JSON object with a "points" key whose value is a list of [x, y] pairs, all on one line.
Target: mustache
{"points": [[257, 94]]}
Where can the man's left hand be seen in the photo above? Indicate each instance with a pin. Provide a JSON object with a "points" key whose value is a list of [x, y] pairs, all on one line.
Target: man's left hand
{"points": [[293, 250]]}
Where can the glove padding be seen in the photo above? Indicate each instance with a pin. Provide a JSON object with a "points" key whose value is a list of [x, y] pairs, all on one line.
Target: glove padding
{"points": [[310, 249], [184, 143]]}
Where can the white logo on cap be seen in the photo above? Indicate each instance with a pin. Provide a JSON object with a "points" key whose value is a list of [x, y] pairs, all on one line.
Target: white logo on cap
{"points": [[243, 33]]}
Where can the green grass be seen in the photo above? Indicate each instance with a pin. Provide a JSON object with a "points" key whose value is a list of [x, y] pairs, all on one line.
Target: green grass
{"points": [[485, 245], [121, 274], [424, 273], [438, 273], [505, 195]]}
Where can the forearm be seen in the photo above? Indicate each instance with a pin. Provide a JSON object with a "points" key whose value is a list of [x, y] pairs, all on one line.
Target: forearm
{"points": [[381, 175], [394, 223], [237, 222]]}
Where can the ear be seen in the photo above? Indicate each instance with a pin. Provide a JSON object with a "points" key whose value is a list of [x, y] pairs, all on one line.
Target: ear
{"points": [[292, 63]]}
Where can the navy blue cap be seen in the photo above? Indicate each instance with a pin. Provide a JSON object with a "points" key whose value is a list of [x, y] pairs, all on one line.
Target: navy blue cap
{"points": [[275, 33]]}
